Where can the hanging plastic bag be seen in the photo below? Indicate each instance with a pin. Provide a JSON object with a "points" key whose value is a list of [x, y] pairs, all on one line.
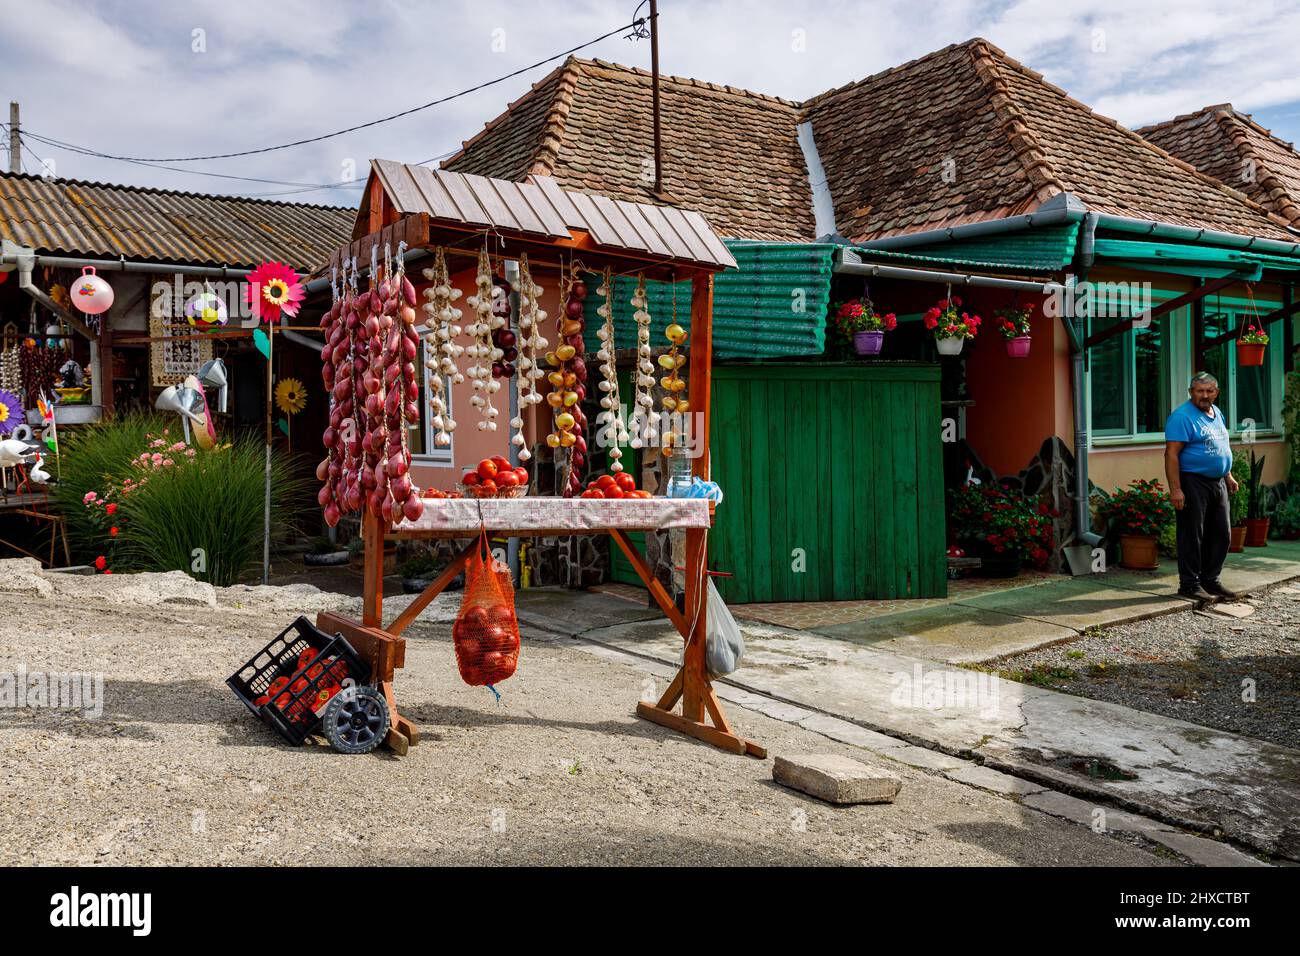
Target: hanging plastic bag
{"points": [[724, 645], [486, 632]]}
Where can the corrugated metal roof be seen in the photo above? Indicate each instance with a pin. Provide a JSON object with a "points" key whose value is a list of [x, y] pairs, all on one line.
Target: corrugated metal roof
{"points": [[541, 208], [775, 305], [1041, 249], [64, 216]]}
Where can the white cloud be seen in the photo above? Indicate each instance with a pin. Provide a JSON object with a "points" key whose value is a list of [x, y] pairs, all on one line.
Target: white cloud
{"points": [[122, 77]]}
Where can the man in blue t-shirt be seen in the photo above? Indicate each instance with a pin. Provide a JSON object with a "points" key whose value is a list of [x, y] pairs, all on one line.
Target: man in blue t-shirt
{"points": [[1198, 464]]}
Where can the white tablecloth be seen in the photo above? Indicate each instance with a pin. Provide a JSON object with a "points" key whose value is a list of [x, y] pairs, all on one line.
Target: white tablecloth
{"points": [[574, 515]]}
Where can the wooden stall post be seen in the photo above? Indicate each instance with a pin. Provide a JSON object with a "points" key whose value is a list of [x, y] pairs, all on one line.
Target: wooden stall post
{"points": [[691, 685]]}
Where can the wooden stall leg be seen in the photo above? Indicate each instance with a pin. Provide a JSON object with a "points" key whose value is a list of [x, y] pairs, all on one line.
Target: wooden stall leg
{"points": [[439, 585], [691, 685]]}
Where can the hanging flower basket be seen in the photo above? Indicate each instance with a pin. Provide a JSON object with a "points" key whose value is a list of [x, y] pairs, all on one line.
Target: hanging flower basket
{"points": [[950, 326], [1013, 323], [1250, 346], [1018, 347], [857, 319], [868, 343]]}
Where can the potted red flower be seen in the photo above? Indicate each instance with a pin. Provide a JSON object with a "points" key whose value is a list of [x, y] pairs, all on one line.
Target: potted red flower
{"points": [[951, 327], [1013, 323], [1137, 514], [1250, 345], [1001, 527], [857, 319]]}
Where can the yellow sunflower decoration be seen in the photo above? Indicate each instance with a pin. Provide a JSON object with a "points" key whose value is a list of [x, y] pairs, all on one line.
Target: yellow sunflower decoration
{"points": [[290, 396]]}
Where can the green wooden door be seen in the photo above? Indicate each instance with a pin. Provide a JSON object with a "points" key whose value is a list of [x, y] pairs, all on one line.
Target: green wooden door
{"points": [[833, 482]]}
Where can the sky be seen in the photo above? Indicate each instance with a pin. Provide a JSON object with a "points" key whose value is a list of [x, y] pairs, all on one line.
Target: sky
{"points": [[190, 78]]}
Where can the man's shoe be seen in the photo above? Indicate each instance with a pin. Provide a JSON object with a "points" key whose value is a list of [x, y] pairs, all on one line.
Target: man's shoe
{"points": [[1197, 594], [1219, 591]]}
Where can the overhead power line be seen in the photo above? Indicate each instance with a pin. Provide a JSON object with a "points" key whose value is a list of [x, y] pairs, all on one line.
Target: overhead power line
{"points": [[50, 141]]}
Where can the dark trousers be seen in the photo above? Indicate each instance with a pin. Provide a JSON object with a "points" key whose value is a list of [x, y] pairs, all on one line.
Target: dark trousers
{"points": [[1203, 530]]}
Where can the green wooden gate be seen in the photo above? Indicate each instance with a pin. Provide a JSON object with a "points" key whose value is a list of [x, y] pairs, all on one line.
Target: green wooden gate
{"points": [[833, 481]]}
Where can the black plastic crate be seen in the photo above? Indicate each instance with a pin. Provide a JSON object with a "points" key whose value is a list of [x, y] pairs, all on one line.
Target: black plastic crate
{"points": [[296, 719]]}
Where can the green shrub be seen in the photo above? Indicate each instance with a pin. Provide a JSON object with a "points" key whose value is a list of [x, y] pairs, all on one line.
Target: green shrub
{"points": [[202, 515], [1238, 502], [1286, 519], [94, 458]]}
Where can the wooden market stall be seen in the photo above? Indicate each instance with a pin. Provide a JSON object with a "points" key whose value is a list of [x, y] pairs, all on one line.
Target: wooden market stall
{"points": [[425, 210]]}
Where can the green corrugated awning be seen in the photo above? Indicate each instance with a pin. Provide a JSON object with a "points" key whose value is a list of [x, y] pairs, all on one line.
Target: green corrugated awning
{"points": [[773, 305], [1191, 258], [1038, 250]]}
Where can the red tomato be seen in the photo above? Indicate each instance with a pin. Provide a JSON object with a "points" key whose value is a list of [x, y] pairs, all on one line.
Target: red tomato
{"points": [[507, 479], [306, 657], [474, 619], [593, 493], [277, 685], [502, 463], [605, 481], [613, 492], [469, 478], [487, 488], [261, 700], [299, 685], [468, 649], [625, 482], [493, 638], [522, 474], [493, 660], [487, 469]]}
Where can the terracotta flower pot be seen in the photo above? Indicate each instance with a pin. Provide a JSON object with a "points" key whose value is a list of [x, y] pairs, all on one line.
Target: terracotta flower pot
{"points": [[1139, 551], [1237, 541], [952, 346], [1019, 346], [868, 343], [1257, 532], [1250, 354]]}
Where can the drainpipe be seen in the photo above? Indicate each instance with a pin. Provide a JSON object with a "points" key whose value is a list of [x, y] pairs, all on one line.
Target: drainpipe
{"points": [[26, 263], [1075, 324], [850, 262]]}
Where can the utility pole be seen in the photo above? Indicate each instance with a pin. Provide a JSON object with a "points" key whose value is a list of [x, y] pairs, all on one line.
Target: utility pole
{"points": [[654, 80], [15, 143]]}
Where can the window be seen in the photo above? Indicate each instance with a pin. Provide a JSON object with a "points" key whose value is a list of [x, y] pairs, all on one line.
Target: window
{"points": [[420, 436], [1250, 395], [1129, 379]]}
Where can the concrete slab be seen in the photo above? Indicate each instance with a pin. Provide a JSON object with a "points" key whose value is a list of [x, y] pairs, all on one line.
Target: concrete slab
{"points": [[987, 779], [1225, 609], [551, 609], [836, 779], [1078, 603], [958, 633]]}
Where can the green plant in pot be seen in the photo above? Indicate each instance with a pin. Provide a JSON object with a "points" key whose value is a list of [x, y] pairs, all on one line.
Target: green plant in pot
{"points": [[1138, 514], [1237, 502], [1256, 520]]}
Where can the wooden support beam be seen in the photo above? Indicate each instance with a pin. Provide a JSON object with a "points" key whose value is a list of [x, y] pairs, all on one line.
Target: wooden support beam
{"points": [[372, 574], [439, 584], [657, 590], [1285, 312], [1119, 328]]}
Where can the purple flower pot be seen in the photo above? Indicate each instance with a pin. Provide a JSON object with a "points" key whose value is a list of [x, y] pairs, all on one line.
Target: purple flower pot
{"points": [[1019, 346], [868, 343]]}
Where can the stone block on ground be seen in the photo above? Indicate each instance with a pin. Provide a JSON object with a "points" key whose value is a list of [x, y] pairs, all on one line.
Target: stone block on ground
{"points": [[836, 779], [1232, 609]]}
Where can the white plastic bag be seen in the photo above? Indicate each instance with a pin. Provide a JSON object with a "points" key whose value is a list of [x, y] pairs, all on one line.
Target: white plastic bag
{"points": [[724, 645]]}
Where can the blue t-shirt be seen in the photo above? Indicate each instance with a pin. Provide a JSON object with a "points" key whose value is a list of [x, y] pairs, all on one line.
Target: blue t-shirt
{"points": [[1205, 440]]}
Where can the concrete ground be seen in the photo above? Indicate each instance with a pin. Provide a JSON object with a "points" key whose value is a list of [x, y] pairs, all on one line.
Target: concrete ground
{"points": [[1205, 780], [981, 623], [560, 772]]}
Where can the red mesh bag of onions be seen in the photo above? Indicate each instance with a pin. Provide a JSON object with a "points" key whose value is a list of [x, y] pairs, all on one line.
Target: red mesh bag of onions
{"points": [[486, 632]]}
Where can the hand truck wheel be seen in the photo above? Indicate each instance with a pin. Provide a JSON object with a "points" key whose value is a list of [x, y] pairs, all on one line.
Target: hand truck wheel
{"points": [[356, 720]]}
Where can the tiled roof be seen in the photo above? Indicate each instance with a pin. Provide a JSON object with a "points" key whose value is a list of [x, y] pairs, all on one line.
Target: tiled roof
{"points": [[729, 154], [964, 134], [64, 216], [967, 134], [1234, 149]]}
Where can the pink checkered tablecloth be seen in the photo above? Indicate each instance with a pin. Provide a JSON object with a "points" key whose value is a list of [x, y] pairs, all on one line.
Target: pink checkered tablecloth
{"points": [[573, 515]]}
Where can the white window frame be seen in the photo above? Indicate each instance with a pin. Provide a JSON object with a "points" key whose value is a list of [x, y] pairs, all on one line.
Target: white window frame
{"points": [[435, 455]]}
